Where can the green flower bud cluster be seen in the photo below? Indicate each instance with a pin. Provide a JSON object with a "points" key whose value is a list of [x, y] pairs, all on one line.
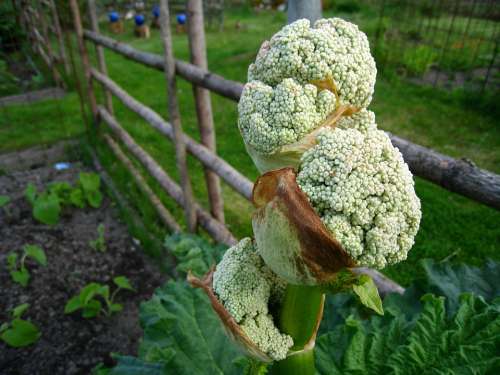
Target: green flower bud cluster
{"points": [[246, 287], [279, 104], [364, 193]]}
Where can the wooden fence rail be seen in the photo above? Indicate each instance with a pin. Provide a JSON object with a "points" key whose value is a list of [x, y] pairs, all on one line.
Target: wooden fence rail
{"points": [[222, 168], [192, 73], [216, 229], [455, 175]]}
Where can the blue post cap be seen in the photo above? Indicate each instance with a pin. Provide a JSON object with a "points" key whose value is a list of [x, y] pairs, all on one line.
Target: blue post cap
{"points": [[113, 16], [156, 11], [139, 20], [181, 18]]}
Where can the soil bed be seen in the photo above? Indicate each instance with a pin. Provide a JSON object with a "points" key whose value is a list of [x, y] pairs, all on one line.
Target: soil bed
{"points": [[69, 344]]}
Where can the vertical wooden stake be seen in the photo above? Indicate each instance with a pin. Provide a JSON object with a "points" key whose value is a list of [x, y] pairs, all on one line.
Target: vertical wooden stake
{"points": [[60, 39], [310, 9], [48, 46], [26, 22], [175, 118], [100, 53], [197, 47], [84, 56]]}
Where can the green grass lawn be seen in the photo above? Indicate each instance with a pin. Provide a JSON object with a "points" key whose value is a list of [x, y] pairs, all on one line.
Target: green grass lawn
{"points": [[452, 226]]}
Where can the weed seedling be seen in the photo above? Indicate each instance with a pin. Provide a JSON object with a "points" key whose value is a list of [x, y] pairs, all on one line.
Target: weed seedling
{"points": [[19, 272], [99, 244], [19, 332], [4, 200], [95, 298]]}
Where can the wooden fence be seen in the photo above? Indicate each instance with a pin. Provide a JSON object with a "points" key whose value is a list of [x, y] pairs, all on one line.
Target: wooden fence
{"points": [[460, 176], [40, 19]]}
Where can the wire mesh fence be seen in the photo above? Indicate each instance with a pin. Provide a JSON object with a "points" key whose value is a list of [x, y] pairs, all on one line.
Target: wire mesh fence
{"points": [[444, 43]]}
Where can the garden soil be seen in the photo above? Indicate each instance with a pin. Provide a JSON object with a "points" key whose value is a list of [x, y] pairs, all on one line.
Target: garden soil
{"points": [[69, 344]]}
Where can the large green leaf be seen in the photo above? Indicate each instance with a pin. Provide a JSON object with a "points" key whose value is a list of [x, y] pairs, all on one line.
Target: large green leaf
{"points": [[182, 332], [135, 366], [452, 280], [442, 279], [193, 253], [467, 343]]}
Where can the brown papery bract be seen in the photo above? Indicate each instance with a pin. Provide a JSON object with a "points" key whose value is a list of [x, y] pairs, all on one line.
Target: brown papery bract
{"points": [[230, 325], [290, 236]]}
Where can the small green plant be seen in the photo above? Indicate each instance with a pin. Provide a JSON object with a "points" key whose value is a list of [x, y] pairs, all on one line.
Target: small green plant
{"points": [[417, 61], [99, 244], [62, 190], [91, 298], [18, 270], [90, 184], [4, 200], [19, 332], [47, 205], [8, 81]]}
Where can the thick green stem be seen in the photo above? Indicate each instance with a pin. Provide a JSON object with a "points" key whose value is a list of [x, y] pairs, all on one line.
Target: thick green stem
{"points": [[297, 364], [300, 315]]}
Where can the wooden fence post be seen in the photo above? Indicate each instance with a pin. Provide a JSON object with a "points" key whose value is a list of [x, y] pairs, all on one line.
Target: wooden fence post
{"points": [[31, 26], [27, 24], [94, 24], [310, 9], [77, 21], [175, 118], [197, 47], [60, 39], [23, 22], [52, 60]]}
